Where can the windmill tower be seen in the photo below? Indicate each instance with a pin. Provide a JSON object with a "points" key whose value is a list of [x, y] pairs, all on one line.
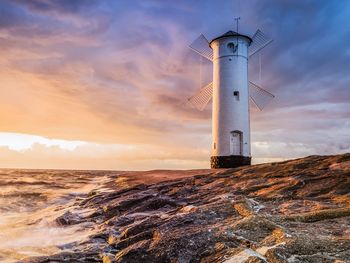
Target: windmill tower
{"points": [[230, 91]]}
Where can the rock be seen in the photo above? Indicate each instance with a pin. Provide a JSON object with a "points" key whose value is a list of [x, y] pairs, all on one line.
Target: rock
{"points": [[68, 218], [108, 258], [188, 208], [253, 259], [243, 208], [319, 215], [292, 211]]}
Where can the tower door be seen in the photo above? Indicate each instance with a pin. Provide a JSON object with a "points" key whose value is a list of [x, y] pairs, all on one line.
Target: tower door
{"points": [[236, 143]]}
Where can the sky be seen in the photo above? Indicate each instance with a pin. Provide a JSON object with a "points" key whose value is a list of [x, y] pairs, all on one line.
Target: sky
{"points": [[104, 84]]}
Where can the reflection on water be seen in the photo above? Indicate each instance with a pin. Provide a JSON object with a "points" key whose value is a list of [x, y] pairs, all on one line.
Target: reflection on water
{"points": [[31, 200]]}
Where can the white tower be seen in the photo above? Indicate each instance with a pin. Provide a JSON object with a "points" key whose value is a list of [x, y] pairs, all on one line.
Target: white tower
{"points": [[230, 113], [230, 91]]}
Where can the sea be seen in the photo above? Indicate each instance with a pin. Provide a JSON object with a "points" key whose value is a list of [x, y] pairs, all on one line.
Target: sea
{"points": [[30, 203]]}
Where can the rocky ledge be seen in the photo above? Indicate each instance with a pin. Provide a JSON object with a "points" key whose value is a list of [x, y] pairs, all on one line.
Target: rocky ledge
{"points": [[292, 211]]}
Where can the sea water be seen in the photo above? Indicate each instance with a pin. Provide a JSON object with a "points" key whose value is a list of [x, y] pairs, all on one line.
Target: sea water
{"points": [[30, 203]]}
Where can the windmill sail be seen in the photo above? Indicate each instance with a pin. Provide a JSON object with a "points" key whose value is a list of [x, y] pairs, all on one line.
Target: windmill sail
{"points": [[202, 97], [259, 96], [260, 40], [201, 46]]}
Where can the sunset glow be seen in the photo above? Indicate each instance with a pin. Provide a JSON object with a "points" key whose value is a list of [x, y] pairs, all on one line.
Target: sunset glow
{"points": [[104, 84], [21, 142]]}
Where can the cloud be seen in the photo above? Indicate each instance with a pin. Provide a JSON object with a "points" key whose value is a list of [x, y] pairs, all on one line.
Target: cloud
{"points": [[64, 6], [103, 156], [120, 72]]}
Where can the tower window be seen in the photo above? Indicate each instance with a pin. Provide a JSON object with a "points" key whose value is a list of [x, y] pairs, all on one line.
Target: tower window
{"points": [[232, 47], [236, 94]]}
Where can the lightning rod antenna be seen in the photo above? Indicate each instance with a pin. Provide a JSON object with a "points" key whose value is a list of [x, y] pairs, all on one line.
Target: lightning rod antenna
{"points": [[237, 22]]}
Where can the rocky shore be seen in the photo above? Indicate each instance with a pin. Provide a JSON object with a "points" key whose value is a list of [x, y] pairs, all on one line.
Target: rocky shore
{"points": [[292, 211]]}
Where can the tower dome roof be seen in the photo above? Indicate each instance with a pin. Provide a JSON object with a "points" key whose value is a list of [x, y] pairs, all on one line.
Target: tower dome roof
{"points": [[232, 33]]}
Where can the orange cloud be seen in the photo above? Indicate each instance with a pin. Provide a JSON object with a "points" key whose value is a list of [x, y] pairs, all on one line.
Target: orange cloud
{"points": [[119, 73]]}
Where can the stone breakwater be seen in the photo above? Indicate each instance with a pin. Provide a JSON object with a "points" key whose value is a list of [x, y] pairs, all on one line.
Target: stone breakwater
{"points": [[292, 211]]}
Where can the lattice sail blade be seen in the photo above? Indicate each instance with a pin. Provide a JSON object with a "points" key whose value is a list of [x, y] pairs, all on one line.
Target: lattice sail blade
{"points": [[259, 96], [201, 46], [202, 97], [260, 40]]}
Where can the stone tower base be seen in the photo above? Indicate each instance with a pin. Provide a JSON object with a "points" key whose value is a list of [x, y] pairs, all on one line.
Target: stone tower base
{"points": [[231, 161]]}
